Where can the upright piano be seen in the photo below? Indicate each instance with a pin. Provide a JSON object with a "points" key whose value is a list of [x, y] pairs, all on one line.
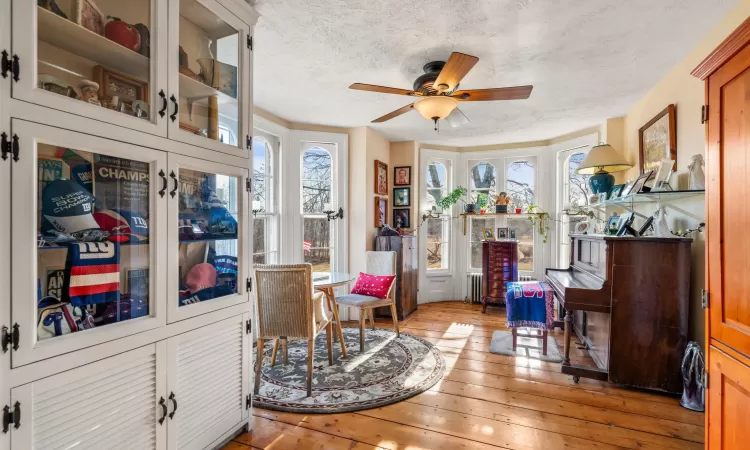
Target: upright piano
{"points": [[627, 300]]}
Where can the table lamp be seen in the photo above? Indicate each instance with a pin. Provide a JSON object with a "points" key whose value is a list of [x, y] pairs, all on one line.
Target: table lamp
{"points": [[602, 160]]}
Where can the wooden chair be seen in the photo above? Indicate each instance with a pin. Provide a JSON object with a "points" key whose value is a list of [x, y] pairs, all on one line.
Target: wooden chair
{"points": [[286, 307], [378, 263]]}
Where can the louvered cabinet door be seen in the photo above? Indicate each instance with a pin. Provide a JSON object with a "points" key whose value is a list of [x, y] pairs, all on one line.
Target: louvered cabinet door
{"points": [[107, 405], [208, 379]]}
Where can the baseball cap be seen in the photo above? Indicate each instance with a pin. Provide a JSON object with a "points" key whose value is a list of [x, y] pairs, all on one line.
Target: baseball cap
{"points": [[200, 277], [67, 207]]}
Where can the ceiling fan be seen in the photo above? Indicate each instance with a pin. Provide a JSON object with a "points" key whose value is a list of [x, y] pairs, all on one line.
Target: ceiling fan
{"points": [[438, 92]]}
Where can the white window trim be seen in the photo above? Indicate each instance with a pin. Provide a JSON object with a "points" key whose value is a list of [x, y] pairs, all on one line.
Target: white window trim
{"points": [[271, 213], [445, 216]]}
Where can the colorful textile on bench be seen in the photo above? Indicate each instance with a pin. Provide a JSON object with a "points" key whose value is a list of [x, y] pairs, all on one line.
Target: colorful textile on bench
{"points": [[529, 304]]}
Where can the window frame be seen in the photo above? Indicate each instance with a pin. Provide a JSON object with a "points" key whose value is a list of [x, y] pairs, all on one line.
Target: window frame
{"points": [[445, 216], [333, 200], [270, 218]]}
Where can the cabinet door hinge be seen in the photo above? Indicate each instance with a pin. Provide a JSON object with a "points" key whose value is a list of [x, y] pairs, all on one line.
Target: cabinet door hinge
{"points": [[704, 298], [249, 142], [248, 401], [248, 326], [249, 185], [9, 146], [11, 417], [10, 65], [249, 285], [8, 337], [250, 42], [705, 380], [704, 114]]}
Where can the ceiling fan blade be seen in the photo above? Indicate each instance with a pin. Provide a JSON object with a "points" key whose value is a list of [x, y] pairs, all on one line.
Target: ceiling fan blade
{"points": [[455, 70], [485, 95], [395, 113], [457, 118], [383, 89]]}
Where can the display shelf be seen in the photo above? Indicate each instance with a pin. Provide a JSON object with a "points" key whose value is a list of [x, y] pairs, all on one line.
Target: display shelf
{"points": [[665, 198], [198, 15], [465, 216], [69, 36], [188, 241]]}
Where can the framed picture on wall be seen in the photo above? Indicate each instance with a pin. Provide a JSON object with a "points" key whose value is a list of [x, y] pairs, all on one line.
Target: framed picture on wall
{"points": [[381, 211], [402, 176], [402, 218], [381, 178], [657, 140], [401, 197]]}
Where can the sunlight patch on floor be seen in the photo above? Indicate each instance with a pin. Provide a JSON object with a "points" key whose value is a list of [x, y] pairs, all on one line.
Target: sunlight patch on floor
{"points": [[369, 353]]}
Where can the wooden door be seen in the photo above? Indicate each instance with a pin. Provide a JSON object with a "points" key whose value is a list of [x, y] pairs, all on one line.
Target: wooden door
{"points": [[728, 402], [727, 75], [728, 211]]}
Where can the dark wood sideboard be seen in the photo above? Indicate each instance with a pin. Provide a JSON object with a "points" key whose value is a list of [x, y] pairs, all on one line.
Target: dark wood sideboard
{"points": [[407, 273], [627, 299], [499, 266]]}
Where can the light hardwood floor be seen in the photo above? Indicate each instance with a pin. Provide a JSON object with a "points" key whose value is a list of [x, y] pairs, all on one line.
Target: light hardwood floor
{"points": [[488, 401]]}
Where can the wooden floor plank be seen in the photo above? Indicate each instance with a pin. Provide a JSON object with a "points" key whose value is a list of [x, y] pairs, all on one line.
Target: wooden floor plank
{"points": [[487, 401], [490, 431], [272, 435], [543, 420], [379, 432], [571, 409]]}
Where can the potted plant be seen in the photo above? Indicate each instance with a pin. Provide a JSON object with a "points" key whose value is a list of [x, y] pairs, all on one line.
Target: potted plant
{"points": [[453, 197], [539, 220], [482, 201]]}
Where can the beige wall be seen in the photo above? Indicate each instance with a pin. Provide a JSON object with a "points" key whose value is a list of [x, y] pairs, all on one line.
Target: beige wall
{"points": [[687, 94], [365, 146], [406, 153]]}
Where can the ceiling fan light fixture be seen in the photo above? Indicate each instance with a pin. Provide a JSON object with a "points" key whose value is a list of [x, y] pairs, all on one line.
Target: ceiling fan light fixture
{"points": [[439, 106]]}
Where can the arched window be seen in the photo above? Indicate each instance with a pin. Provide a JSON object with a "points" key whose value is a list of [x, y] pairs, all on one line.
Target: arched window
{"points": [[576, 186], [520, 184], [438, 230], [316, 198], [265, 240], [482, 178]]}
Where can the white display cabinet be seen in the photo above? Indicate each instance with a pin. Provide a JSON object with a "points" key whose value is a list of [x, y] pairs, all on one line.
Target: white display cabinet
{"points": [[184, 392], [173, 68], [200, 237], [127, 182], [125, 300]]}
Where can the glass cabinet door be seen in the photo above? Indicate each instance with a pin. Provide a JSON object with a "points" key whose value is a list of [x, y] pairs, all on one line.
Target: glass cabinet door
{"points": [[99, 59], [208, 76], [208, 210], [88, 245]]}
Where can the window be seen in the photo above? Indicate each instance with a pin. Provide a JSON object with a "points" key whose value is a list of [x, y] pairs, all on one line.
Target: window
{"points": [[438, 230], [576, 185], [475, 258], [482, 178], [265, 241], [521, 186], [316, 197]]}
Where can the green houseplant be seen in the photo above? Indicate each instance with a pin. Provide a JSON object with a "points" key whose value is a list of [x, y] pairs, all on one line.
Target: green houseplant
{"points": [[454, 197], [540, 221]]}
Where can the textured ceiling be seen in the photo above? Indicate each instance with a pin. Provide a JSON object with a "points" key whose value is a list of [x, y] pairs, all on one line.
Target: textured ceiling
{"points": [[588, 59]]}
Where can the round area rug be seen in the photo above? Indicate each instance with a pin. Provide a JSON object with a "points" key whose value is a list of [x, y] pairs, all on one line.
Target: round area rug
{"points": [[391, 369]]}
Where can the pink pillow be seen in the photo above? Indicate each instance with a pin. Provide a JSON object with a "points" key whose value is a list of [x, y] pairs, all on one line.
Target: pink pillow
{"points": [[373, 285]]}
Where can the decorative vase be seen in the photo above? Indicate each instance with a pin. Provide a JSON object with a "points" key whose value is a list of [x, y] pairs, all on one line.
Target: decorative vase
{"points": [[502, 209], [206, 61], [470, 208], [601, 182]]}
